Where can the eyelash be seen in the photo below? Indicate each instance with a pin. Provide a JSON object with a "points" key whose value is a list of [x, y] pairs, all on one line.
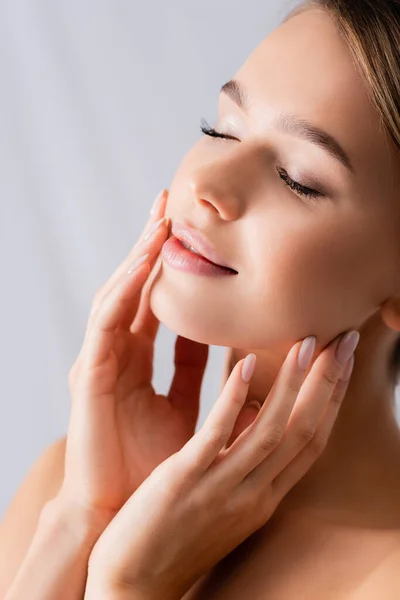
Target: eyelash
{"points": [[294, 185]]}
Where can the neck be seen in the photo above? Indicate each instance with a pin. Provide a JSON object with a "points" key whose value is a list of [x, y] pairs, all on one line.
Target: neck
{"points": [[356, 479]]}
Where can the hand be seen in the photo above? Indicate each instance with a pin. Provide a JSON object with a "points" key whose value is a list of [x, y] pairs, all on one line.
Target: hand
{"points": [[203, 501], [119, 428]]}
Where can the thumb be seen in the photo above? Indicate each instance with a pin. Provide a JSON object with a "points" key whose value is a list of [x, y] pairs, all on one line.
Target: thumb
{"points": [[190, 361]]}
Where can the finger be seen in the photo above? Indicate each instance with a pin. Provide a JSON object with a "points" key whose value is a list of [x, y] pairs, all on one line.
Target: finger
{"points": [[246, 417], [151, 246], [160, 204], [201, 450], [299, 466], [136, 250], [119, 306], [227, 368], [158, 211], [265, 435], [322, 389], [145, 321], [190, 360], [100, 339]]}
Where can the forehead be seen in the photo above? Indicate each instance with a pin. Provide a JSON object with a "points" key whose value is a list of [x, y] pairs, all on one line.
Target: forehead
{"points": [[305, 67]]}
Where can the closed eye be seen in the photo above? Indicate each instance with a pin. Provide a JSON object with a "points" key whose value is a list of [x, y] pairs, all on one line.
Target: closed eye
{"points": [[291, 183], [297, 187]]}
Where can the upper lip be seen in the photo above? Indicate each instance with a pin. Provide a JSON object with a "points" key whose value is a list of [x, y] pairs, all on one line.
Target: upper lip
{"points": [[199, 243]]}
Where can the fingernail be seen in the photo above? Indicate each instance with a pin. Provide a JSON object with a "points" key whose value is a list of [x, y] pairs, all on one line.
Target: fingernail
{"points": [[306, 352], [254, 404], [137, 262], [153, 228], [346, 346], [348, 369], [248, 367], [157, 201]]}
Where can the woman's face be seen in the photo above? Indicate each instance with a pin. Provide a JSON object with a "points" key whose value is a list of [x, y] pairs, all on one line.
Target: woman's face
{"points": [[305, 265]]}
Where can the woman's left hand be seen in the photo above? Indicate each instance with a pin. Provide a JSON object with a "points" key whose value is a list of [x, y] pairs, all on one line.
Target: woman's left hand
{"points": [[203, 501]]}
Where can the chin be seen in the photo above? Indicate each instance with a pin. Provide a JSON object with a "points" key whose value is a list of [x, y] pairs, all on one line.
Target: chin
{"points": [[190, 316]]}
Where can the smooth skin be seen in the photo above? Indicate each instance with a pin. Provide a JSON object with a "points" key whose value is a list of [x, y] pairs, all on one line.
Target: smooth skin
{"points": [[305, 267], [112, 399], [318, 269], [204, 500]]}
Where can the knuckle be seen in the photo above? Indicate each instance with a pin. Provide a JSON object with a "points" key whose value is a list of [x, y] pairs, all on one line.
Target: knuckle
{"points": [[198, 503], [173, 464], [270, 437], [215, 436], [305, 431], [259, 495], [265, 506], [318, 445], [93, 313], [252, 501], [99, 292], [97, 298], [92, 317], [73, 373], [338, 392], [294, 385], [337, 397], [329, 376], [94, 558], [232, 508], [237, 402], [242, 505]]}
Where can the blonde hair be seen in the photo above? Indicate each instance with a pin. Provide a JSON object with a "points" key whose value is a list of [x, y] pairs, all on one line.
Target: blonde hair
{"points": [[371, 29]]}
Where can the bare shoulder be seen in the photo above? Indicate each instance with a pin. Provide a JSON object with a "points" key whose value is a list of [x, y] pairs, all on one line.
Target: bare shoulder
{"points": [[20, 520]]}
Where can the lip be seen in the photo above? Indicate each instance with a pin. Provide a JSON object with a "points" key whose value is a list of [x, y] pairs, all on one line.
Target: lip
{"points": [[199, 243], [178, 257]]}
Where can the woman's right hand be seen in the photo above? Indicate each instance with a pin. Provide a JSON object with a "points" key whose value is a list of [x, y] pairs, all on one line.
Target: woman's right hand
{"points": [[120, 429]]}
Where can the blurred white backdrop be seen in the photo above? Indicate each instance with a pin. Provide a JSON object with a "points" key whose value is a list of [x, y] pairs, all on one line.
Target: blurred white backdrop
{"points": [[99, 103]]}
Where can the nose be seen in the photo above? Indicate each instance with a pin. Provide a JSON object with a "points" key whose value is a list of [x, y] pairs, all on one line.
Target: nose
{"points": [[223, 187], [214, 197]]}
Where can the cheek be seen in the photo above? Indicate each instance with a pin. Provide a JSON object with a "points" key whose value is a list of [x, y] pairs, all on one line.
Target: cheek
{"points": [[312, 279]]}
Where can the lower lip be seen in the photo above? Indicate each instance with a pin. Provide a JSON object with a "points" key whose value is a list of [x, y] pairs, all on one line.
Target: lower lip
{"points": [[179, 257]]}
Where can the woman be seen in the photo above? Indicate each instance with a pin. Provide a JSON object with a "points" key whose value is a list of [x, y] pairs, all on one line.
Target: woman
{"points": [[300, 498]]}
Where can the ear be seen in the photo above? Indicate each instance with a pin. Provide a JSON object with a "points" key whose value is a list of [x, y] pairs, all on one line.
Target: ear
{"points": [[390, 313]]}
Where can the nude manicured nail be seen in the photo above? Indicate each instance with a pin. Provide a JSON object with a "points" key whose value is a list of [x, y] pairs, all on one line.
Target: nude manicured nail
{"points": [[137, 263], [153, 228], [254, 404], [347, 345], [306, 352], [157, 201], [348, 369], [248, 367]]}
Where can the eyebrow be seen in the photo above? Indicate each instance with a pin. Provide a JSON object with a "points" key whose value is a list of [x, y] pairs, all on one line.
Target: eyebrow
{"points": [[289, 123]]}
